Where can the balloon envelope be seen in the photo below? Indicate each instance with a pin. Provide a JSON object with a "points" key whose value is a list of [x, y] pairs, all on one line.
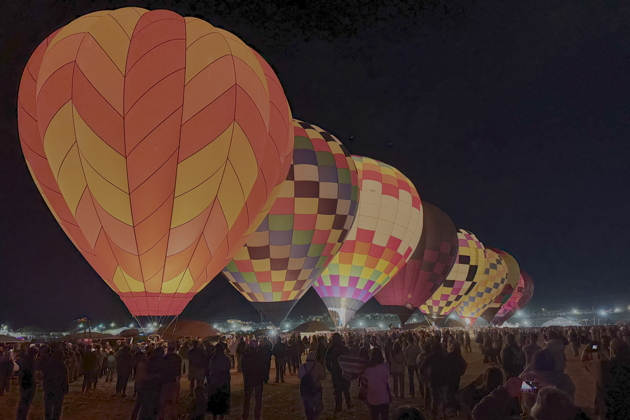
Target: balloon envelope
{"points": [[488, 287], [426, 269], [508, 308], [385, 233], [304, 229], [513, 276], [157, 142], [469, 265]]}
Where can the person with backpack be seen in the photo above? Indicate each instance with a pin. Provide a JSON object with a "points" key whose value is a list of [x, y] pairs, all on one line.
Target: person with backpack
{"points": [[310, 375], [341, 386]]}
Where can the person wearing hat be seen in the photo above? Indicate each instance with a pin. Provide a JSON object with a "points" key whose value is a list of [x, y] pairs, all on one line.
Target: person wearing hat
{"points": [[310, 375], [254, 374]]}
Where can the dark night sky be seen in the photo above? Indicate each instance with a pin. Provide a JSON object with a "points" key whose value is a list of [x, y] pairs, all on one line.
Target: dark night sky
{"points": [[513, 117]]}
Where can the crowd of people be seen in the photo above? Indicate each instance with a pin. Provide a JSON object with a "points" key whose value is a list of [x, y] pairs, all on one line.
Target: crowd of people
{"points": [[525, 375]]}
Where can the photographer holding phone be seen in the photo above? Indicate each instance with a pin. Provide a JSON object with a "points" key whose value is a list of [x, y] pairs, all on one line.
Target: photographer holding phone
{"points": [[542, 373], [613, 379]]}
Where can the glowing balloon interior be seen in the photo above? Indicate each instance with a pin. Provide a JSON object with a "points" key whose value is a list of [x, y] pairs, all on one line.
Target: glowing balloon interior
{"points": [[470, 263], [305, 227], [157, 142], [385, 233]]}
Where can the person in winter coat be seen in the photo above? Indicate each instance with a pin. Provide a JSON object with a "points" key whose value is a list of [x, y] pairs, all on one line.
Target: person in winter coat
{"points": [[124, 365], [397, 368], [28, 386], [341, 386], [219, 384], [467, 342], [151, 390], [542, 372], [312, 373], [376, 375], [55, 384], [479, 340], [240, 348], [279, 353], [411, 353], [90, 366], [433, 369], [196, 357], [500, 404], [254, 375], [264, 348], [455, 369], [574, 340], [488, 350], [513, 358]]}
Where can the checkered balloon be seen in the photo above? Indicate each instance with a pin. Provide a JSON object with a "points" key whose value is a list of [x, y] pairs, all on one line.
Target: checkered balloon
{"points": [[305, 226], [513, 276], [385, 234], [486, 290], [470, 263]]}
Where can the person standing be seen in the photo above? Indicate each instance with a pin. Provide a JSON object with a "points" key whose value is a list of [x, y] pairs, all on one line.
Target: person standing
{"points": [[240, 348], [170, 384], [55, 384], [575, 342], [411, 353], [183, 353], [341, 386], [310, 375], [397, 368], [513, 358], [219, 384], [264, 348], [497, 345], [531, 348], [6, 371], [613, 380], [433, 369], [467, 342], [90, 366], [151, 390], [197, 357], [28, 385], [124, 365], [378, 396], [556, 346], [254, 375], [279, 353], [455, 369]]}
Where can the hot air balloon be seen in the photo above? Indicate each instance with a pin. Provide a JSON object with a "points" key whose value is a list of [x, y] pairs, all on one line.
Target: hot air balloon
{"points": [[513, 276], [385, 233], [426, 269], [157, 141], [510, 305], [304, 229], [470, 263], [488, 287]]}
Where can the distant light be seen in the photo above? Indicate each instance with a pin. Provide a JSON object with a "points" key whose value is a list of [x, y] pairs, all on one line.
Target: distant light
{"points": [[101, 326], [526, 322], [361, 323], [287, 325], [543, 309], [380, 325], [575, 311], [617, 310], [80, 325], [130, 325], [602, 313], [113, 324]]}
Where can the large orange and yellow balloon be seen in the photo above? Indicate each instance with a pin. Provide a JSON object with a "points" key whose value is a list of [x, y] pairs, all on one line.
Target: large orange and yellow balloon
{"points": [[159, 143], [304, 229], [385, 233]]}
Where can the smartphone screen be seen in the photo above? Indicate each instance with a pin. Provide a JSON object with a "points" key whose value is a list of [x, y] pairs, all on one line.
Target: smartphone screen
{"points": [[529, 387], [594, 347]]}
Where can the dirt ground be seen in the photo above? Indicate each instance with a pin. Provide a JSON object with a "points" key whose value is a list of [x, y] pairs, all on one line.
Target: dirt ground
{"points": [[279, 400]]}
